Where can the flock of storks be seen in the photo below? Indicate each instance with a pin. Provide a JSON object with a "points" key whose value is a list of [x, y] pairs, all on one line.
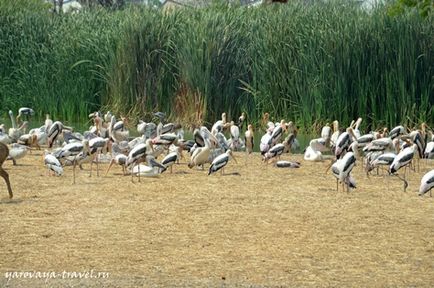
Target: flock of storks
{"points": [[109, 140]]}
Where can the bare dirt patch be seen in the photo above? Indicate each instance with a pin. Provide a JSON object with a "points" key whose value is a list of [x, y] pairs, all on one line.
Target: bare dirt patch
{"points": [[268, 227]]}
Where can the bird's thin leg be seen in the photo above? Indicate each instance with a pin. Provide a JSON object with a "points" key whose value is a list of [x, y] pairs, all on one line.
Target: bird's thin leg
{"points": [[171, 167], [337, 185], [73, 170], [138, 168], [92, 157], [97, 163], [110, 165], [403, 179]]}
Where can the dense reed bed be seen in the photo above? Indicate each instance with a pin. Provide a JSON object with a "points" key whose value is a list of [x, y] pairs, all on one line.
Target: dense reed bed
{"points": [[308, 63]]}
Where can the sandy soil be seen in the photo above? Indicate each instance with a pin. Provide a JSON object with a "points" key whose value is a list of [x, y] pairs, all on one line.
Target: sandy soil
{"points": [[268, 227]]}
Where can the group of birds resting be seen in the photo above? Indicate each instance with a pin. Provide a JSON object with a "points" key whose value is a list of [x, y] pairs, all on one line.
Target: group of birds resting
{"points": [[109, 140]]}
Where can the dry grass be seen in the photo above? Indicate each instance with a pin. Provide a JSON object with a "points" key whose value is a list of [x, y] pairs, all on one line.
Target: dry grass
{"points": [[268, 227]]}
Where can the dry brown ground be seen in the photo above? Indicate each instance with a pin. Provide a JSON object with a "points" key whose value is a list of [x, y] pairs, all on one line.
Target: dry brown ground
{"points": [[267, 227]]}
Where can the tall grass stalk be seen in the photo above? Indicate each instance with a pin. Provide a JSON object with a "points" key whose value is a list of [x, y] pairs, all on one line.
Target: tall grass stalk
{"points": [[307, 63]]}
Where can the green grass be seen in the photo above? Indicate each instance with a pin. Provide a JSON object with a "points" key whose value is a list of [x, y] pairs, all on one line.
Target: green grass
{"points": [[306, 63]]}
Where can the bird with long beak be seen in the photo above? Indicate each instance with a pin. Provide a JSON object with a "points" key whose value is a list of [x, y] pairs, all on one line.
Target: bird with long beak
{"points": [[220, 162]]}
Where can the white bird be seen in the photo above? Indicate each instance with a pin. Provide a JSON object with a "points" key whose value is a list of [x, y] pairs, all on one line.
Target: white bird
{"points": [[200, 155], [47, 124], [342, 168], [249, 139], [277, 133], [343, 142], [53, 164], [287, 164], [385, 159], [312, 155], [220, 162], [16, 152], [275, 151], [365, 139], [165, 139], [235, 143], [429, 150], [264, 146], [335, 134], [119, 159], [402, 160], [15, 132], [319, 144], [170, 159], [25, 111], [356, 127], [70, 150], [396, 132], [141, 170], [94, 147], [4, 138], [241, 120], [117, 130], [54, 131], [219, 125], [138, 154], [427, 183], [326, 134]]}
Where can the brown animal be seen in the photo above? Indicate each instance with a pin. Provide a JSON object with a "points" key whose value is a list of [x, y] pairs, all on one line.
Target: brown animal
{"points": [[4, 153]]}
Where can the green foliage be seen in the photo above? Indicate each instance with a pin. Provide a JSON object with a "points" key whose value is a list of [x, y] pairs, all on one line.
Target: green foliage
{"points": [[306, 63], [423, 7]]}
